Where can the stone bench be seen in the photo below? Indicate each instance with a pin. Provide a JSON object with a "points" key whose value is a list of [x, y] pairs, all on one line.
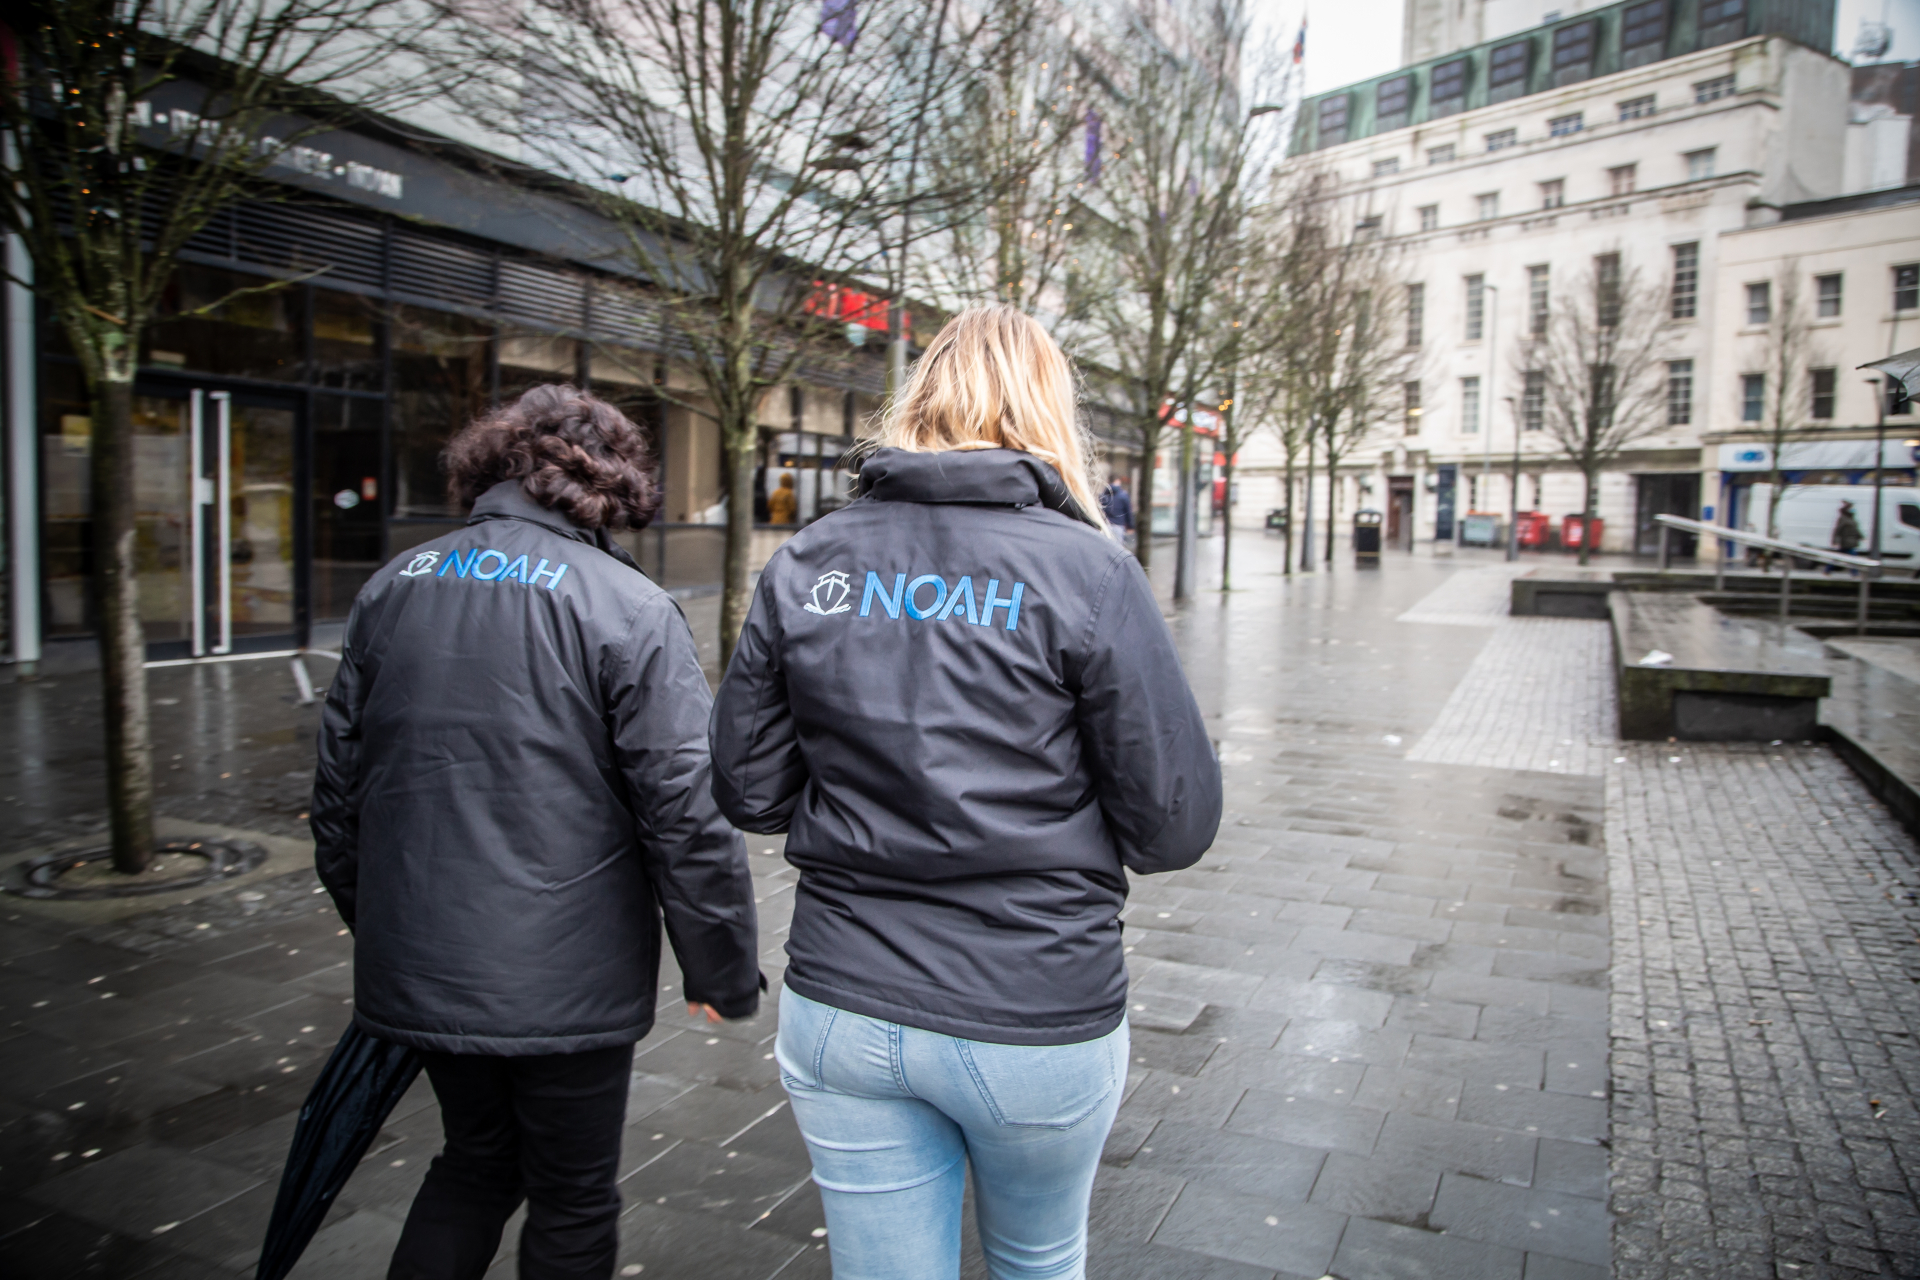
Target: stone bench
{"points": [[1729, 679]]}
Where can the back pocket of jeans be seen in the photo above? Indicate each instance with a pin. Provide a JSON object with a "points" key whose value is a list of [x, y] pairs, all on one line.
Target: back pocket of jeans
{"points": [[1041, 1086]]}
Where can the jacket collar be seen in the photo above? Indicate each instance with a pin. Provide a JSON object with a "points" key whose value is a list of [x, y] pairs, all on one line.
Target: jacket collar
{"points": [[507, 500], [984, 477]]}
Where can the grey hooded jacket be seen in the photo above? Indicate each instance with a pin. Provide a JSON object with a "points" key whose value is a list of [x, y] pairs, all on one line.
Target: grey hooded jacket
{"points": [[963, 706], [513, 790]]}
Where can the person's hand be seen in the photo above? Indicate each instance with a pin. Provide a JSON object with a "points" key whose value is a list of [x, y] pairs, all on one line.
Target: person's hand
{"points": [[694, 1011]]}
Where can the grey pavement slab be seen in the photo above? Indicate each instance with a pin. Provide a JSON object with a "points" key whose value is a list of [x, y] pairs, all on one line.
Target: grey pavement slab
{"points": [[1394, 1018]]}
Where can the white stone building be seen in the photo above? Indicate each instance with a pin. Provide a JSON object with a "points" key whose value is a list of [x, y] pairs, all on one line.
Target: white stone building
{"points": [[1694, 139]]}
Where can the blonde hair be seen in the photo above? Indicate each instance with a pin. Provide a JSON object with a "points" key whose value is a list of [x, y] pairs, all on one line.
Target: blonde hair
{"points": [[994, 378]]}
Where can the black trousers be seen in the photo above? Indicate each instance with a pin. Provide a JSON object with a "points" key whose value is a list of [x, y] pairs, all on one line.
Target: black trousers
{"points": [[544, 1129]]}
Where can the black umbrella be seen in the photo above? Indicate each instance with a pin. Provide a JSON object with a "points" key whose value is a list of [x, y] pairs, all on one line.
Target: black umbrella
{"points": [[356, 1092]]}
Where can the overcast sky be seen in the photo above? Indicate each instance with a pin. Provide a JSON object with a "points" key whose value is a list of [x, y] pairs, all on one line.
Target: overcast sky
{"points": [[1356, 39]]}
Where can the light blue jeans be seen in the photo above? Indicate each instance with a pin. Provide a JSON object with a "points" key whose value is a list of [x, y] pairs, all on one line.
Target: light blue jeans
{"points": [[892, 1114]]}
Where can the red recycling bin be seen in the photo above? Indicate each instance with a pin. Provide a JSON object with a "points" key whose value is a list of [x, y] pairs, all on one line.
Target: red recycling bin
{"points": [[1573, 531], [1532, 527]]}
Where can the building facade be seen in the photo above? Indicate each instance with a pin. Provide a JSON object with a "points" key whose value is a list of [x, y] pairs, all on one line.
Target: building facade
{"points": [[1671, 145]]}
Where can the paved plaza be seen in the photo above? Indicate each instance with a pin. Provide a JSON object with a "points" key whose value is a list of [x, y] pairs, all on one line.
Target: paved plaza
{"points": [[1465, 988]]}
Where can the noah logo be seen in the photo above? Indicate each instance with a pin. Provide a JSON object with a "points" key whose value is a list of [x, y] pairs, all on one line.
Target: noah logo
{"points": [[421, 564], [831, 594]]}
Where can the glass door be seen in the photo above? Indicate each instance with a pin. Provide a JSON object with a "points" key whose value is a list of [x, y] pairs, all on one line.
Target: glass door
{"points": [[214, 486]]}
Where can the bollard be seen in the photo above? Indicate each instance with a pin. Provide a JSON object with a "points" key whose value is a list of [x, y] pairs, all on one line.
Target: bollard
{"points": [[1664, 531], [302, 682]]}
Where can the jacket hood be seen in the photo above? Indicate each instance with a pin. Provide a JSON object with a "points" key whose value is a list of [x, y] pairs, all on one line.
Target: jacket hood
{"points": [[984, 477]]}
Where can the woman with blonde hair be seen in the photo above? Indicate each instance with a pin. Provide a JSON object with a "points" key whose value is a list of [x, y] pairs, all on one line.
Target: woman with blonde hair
{"points": [[958, 698]]}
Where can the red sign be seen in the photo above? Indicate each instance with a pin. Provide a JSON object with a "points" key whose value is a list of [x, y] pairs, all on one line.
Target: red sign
{"points": [[847, 304]]}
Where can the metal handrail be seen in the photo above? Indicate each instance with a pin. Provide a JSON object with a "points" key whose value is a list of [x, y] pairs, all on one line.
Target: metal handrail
{"points": [[1869, 568], [1839, 558]]}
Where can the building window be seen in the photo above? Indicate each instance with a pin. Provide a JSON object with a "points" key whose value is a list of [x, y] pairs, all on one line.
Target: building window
{"points": [[1561, 126], [1760, 303], [1429, 217], [1713, 90], [1502, 140], [1333, 120], [1448, 90], [1387, 167], [1824, 382], [1416, 314], [1620, 179], [1411, 411], [1553, 194], [1719, 13], [1367, 227], [1507, 70], [1572, 48], [1686, 280], [1469, 406], [1679, 392], [1700, 164], [1753, 397], [1440, 155], [1487, 205], [1392, 101], [1643, 24], [1636, 108], [1827, 291], [1538, 300], [1533, 402], [1906, 287], [1606, 282], [1476, 307]]}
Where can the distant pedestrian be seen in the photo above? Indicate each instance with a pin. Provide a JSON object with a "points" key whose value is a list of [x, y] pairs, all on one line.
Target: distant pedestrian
{"points": [[783, 504], [512, 790], [962, 704], [1117, 504], [1846, 531]]}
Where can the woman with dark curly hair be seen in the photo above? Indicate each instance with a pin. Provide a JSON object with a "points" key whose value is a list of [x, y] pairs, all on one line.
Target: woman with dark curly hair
{"points": [[513, 789]]}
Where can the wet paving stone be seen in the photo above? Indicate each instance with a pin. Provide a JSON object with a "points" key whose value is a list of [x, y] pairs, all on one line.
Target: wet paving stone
{"points": [[1458, 964]]}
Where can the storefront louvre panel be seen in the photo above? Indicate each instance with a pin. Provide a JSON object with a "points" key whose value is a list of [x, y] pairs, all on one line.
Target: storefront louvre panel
{"points": [[437, 272], [628, 321], [536, 294], [286, 237]]}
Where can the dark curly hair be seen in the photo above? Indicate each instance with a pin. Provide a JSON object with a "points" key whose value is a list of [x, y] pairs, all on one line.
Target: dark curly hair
{"points": [[571, 451]]}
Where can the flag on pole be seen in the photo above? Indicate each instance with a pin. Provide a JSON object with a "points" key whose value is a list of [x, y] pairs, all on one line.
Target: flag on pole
{"points": [[1093, 145], [1300, 42], [839, 22]]}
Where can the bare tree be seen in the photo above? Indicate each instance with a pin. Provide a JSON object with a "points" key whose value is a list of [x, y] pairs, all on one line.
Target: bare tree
{"points": [[752, 151], [1163, 218], [1598, 364], [1786, 349], [104, 191], [1006, 167]]}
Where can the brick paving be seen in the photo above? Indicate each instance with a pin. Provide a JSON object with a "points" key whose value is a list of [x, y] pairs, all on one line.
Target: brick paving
{"points": [[1372, 1026], [1765, 1061]]}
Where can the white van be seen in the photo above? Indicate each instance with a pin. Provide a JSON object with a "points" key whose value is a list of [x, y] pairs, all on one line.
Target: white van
{"points": [[1808, 512]]}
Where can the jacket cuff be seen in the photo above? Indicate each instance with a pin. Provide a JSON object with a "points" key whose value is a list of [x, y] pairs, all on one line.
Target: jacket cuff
{"points": [[743, 1007]]}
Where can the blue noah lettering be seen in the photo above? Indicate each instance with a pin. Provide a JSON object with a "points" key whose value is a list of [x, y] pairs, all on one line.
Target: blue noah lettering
{"points": [[489, 565], [928, 598]]}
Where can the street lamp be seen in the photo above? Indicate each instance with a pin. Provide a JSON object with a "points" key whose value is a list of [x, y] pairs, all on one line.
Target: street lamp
{"points": [[1513, 505], [1879, 455], [1493, 375]]}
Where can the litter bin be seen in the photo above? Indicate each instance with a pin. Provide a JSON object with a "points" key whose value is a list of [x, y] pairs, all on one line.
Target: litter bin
{"points": [[1480, 529], [1277, 518], [1573, 532], [1533, 527], [1366, 538]]}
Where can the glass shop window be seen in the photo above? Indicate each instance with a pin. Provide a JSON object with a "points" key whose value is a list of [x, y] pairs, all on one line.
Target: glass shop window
{"points": [[440, 383]]}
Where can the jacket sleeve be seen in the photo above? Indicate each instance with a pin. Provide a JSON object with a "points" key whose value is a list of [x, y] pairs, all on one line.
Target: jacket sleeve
{"points": [[657, 702], [334, 814], [758, 772], [1158, 776]]}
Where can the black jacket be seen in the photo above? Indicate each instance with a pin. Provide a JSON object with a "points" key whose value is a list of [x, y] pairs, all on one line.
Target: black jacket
{"points": [[513, 788], [965, 709]]}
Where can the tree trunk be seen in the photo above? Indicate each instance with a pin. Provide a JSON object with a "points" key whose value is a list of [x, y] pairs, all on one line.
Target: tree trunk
{"points": [[1586, 520], [1306, 509], [1226, 524], [733, 575], [1286, 536], [1143, 503], [116, 608]]}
